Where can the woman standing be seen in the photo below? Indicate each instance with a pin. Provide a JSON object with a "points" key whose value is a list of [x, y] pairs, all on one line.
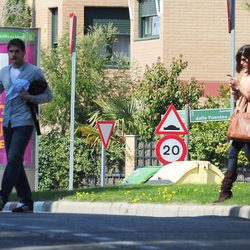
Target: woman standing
{"points": [[241, 92]]}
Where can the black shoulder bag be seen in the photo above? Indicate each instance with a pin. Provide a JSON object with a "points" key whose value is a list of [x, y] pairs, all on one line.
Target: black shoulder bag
{"points": [[37, 87]]}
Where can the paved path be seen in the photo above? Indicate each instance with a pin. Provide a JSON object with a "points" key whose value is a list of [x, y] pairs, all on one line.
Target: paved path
{"points": [[122, 208]]}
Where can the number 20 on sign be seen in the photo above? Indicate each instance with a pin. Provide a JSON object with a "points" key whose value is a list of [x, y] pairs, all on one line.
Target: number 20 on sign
{"points": [[171, 148]]}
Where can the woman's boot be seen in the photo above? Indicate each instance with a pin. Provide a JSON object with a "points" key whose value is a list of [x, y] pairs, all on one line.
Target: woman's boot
{"points": [[226, 186]]}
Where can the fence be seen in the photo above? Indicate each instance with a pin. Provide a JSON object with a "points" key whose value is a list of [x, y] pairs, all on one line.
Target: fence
{"points": [[139, 154], [145, 154]]}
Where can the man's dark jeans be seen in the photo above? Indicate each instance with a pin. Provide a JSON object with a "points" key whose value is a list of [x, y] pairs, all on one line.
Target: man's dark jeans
{"points": [[233, 153], [16, 140]]}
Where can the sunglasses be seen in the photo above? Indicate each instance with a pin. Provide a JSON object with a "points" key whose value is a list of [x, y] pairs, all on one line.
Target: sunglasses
{"points": [[243, 59]]}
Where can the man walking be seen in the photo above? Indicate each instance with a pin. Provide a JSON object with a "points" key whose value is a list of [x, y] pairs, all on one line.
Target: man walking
{"points": [[18, 123]]}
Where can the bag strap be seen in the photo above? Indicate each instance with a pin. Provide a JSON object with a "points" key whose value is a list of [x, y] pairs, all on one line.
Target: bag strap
{"points": [[34, 112], [241, 105]]}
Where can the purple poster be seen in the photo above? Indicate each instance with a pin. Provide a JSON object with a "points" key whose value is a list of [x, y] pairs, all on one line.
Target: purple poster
{"points": [[30, 37]]}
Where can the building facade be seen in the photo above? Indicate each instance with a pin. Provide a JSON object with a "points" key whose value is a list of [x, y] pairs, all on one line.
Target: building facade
{"points": [[52, 17], [195, 29]]}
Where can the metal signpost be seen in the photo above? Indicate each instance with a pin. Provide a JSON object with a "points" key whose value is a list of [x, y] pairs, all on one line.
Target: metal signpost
{"points": [[105, 129], [72, 48], [171, 123], [171, 147], [231, 30]]}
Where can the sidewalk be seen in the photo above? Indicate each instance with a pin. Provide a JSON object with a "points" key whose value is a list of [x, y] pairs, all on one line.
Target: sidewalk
{"points": [[137, 209]]}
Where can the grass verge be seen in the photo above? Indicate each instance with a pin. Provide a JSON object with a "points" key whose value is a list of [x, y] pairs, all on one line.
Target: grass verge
{"points": [[144, 193]]}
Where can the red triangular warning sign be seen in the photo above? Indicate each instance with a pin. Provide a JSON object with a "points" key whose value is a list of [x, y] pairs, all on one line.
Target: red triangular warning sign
{"points": [[171, 123], [105, 129]]}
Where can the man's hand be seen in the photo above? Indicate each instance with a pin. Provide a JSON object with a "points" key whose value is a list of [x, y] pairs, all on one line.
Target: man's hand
{"points": [[24, 94]]}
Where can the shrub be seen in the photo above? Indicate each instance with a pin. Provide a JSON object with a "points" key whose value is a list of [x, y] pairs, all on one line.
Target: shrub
{"points": [[204, 138], [159, 88], [54, 162]]}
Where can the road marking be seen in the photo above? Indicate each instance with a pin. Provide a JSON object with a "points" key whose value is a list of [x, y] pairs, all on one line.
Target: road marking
{"points": [[34, 227], [82, 235], [102, 238], [121, 229], [58, 231]]}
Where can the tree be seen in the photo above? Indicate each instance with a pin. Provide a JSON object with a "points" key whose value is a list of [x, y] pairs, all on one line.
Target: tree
{"points": [[159, 88], [117, 104], [91, 77], [16, 13]]}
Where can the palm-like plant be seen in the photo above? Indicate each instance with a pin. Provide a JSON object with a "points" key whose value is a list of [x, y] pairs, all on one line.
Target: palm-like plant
{"points": [[117, 108]]}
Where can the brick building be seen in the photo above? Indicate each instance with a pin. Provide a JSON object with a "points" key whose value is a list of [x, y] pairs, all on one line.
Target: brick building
{"points": [[196, 29]]}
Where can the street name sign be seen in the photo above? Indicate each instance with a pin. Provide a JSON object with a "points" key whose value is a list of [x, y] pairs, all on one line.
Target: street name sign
{"points": [[205, 115]]}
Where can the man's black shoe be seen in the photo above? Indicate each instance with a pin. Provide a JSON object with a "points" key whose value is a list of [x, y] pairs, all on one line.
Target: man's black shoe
{"points": [[2, 203], [23, 208]]}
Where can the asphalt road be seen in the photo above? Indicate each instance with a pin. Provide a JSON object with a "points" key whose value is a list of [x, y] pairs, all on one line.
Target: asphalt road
{"points": [[80, 231]]}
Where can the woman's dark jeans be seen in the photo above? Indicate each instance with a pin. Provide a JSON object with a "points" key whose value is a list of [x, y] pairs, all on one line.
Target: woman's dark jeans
{"points": [[233, 153], [16, 140]]}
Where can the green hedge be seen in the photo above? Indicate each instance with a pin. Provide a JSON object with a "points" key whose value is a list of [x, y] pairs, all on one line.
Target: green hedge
{"points": [[54, 162], [208, 142]]}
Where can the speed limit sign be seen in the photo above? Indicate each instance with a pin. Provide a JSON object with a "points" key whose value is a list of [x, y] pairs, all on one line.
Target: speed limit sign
{"points": [[171, 148]]}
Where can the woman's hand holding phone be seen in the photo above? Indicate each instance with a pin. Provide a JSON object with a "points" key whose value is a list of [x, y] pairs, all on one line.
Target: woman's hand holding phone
{"points": [[234, 83]]}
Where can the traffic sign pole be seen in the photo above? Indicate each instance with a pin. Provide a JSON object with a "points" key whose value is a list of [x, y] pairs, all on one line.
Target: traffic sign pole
{"points": [[72, 107], [232, 25], [187, 126], [103, 166], [105, 129], [171, 147]]}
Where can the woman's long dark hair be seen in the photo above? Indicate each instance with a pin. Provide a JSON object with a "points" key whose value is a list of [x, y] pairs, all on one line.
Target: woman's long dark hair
{"points": [[243, 51]]}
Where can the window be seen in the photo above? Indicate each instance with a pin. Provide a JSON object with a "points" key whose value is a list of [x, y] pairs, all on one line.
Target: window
{"points": [[54, 27], [119, 49], [149, 20], [119, 17]]}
